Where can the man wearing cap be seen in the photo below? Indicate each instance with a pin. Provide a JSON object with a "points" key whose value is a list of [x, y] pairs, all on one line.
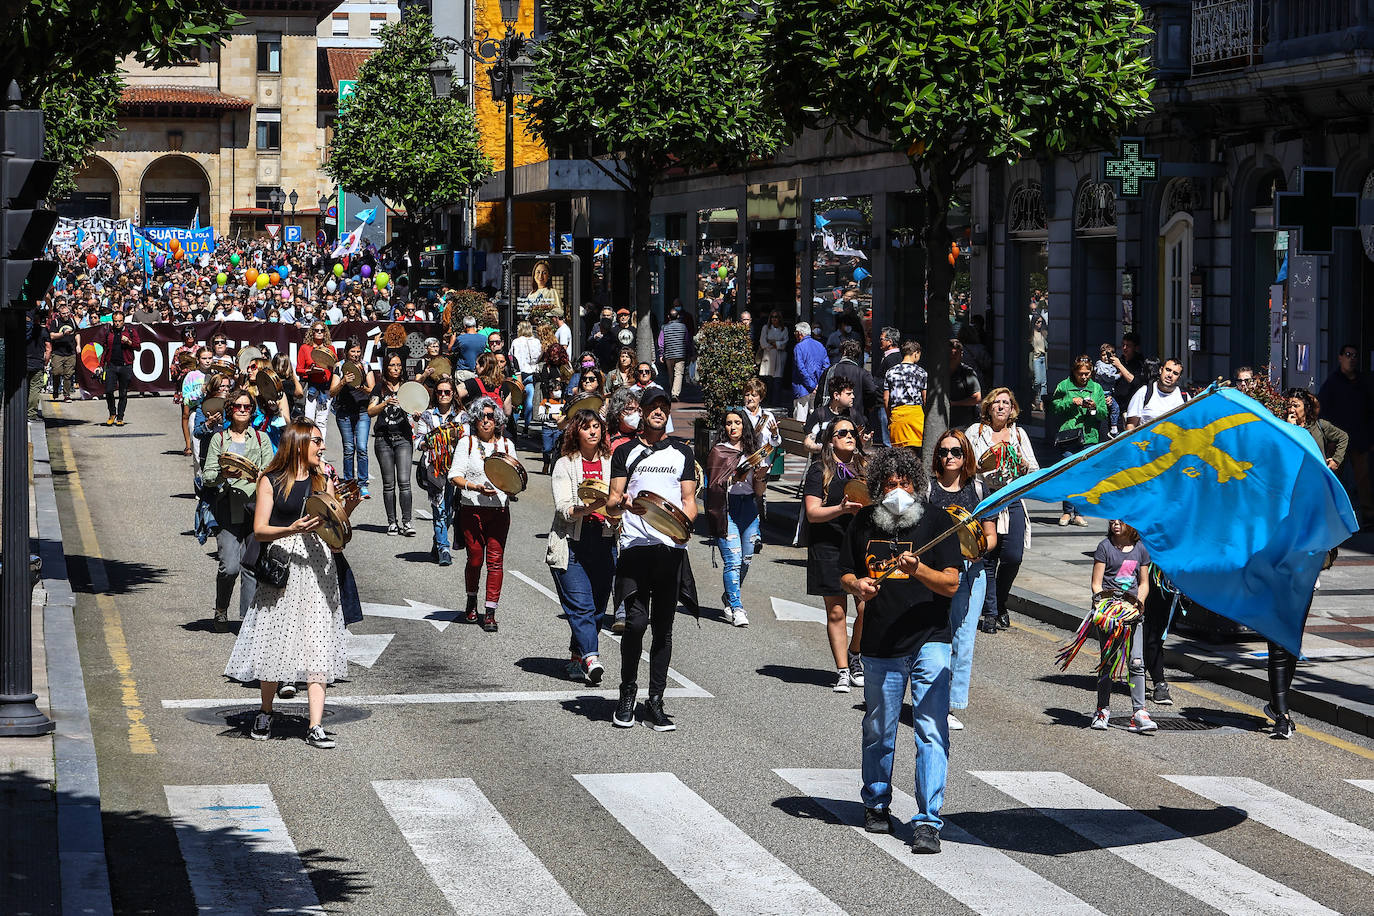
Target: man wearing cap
{"points": [[470, 345], [650, 570], [562, 333]]}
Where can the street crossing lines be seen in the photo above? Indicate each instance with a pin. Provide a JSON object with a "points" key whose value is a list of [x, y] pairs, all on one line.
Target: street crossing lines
{"points": [[1366, 784], [1194, 868], [722, 865], [1308, 824], [239, 856], [965, 863], [472, 855]]}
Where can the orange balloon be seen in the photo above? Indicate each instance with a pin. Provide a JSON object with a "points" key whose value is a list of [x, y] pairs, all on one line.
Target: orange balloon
{"points": [[179, 254], [955, 249], [250, 276], [176, 244], [274, 278]]}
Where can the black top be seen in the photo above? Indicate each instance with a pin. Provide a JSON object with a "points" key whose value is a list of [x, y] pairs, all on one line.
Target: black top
{"points": [[966, 497], [831, 532], [904, 615], [287, 509], [352, 401], [1123, 390], [963, 383], [62, 344], [392, 422]]}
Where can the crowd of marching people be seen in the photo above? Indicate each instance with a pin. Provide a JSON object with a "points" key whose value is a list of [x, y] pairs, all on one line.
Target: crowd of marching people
{"points": [[876, 517]]}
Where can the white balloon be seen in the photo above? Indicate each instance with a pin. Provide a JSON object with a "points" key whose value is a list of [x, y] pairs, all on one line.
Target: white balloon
{"points": [[331, 286]]}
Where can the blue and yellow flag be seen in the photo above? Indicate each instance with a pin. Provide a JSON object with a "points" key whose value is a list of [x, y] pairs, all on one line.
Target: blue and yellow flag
{"points": [[1236, 505]]}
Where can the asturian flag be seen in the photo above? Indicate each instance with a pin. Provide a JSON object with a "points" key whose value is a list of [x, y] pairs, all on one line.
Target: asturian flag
{"points": [[1237, 506]]}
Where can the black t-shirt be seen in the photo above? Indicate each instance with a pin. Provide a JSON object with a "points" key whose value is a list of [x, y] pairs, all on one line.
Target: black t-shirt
{"points": [[831, 532], [62, 344], [1123, 390], [966, 497], [904, 615], [963, 383]]}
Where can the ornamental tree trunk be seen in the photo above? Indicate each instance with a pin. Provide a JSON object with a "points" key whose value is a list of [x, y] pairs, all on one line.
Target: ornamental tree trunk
{"points": [[642, 198], [939, 192]]}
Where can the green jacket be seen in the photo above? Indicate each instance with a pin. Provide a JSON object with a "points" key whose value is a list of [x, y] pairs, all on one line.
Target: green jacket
{"points": [[235, 493], [1068, 415]]}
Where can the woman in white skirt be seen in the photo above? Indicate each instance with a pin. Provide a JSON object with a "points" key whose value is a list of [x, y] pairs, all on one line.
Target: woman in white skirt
{"points": [[296, 632]]}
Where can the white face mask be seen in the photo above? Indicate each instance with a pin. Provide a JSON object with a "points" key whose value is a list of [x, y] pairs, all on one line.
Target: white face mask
{"points": [[898, 501], [631, 420]]}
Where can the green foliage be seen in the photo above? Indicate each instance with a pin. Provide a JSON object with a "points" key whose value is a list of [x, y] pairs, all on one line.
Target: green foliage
{"points": [[77, 115], [461, 304], [58, 43], [395, 140], [725, 361]]}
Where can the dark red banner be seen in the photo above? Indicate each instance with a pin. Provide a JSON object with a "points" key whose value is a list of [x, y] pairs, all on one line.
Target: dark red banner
{"points": [[158, 343]]}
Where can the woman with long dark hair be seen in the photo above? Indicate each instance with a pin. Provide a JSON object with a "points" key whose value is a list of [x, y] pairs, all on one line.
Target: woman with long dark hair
{"points": [[733, 491], [294, 632], [350, 413], [829, 510], [394, 444], [581, 552]]}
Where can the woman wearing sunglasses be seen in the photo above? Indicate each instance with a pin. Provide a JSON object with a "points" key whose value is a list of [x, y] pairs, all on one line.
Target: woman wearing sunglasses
{"points": [[956, 484], [829, 510], [732, 505], [483, 515], [393, 439], [232, 501], [316, 377]]}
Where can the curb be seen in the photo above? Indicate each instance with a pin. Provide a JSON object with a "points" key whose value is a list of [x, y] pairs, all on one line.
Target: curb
{"points": [[1067, 617], [82, 869]]}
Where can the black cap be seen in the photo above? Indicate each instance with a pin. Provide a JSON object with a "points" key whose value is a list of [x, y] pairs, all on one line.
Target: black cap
{"points": [[652, 393]]}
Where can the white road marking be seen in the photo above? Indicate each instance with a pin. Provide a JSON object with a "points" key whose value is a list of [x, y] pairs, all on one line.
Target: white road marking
{"points": [[1162, 852], [1322, 830], [722, 865], [1366, 784], [983, 879], [414, 610], [239, 856], [364, 648], [471, 854], [794, 610], [424, 514], [423, 699]]}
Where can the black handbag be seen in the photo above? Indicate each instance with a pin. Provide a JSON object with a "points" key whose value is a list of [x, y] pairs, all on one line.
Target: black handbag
{"points": [[1069, 438], [273, 565]]}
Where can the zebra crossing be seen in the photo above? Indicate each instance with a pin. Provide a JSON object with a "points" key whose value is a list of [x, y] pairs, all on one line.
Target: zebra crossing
{"points": [[240, 856]]}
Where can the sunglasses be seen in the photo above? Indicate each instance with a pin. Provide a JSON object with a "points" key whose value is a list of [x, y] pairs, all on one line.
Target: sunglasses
{"points": [[1350, 354], [218, 342], [644, 372], [847, 433], [243, 406], [444, 391], [489, 416], [956, 452]]}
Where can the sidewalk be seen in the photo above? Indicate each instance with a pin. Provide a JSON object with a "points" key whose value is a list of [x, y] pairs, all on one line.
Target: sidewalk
{"points": [[52, 843]]}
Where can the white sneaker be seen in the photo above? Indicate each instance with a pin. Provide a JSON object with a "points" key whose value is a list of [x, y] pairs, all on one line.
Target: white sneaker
{"points": [[729, 614], [856, 669], [1142, 723], [842, 682], [954, 724], [740, 619], [1102, 721]]}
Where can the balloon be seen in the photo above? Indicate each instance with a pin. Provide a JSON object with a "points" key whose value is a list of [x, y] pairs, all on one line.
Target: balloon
{"points": [[250, 276], [952, 259], [955, 249], [723, 272], [338, 270], [221, 278], [382, 280], [332, 286], [179, 254], [234, 259], [175, 244], [92, 260], [284, 270], [160, 261], [274, 278], [286, 294], [262, 281], [366, 271]]}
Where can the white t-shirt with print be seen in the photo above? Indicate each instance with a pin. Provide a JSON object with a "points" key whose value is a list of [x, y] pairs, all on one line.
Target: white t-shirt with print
{"points": [[659, 469]]}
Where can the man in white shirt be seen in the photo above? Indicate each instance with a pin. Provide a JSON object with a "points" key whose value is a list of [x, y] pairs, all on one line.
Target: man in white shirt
{"points": [[1157, 397], [562, 333]]}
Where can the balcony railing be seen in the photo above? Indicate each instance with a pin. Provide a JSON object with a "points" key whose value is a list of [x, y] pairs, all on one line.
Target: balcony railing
{"points": [[1227, 35]]}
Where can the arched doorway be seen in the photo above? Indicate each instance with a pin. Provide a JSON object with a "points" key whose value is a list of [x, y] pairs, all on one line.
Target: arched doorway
{"points": [[1093, 319], [174, 189], [1176, 271], [96, 194], [1029, 321]]}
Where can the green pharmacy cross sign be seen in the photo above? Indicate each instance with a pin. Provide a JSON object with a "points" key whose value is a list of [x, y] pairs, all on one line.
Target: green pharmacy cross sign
{"points": [[1131, 167], [1317, 211]]}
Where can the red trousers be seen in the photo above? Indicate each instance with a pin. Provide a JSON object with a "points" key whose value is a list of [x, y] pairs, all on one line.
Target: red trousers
{"points": [[484, 531]]}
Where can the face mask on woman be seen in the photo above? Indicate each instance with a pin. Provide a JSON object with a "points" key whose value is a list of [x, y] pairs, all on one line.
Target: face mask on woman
{"points": [[630, 420]]}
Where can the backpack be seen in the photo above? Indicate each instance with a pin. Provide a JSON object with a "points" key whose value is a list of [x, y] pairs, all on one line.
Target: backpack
{"points": [[1150, 392]]}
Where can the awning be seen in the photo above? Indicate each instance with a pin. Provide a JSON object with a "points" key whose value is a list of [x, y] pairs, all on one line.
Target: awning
{"points": [[552, 179]]}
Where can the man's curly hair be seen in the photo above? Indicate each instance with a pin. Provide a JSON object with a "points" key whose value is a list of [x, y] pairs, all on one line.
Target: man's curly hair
{"points": [[900, 461]]}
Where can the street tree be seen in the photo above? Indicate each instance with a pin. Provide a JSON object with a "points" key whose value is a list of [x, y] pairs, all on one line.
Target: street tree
{"points": [[958, 83], [78, 115], [642, 86], [397, 141]]}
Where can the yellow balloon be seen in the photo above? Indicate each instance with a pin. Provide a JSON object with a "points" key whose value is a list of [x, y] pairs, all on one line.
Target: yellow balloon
{"points": [[263, 281]]}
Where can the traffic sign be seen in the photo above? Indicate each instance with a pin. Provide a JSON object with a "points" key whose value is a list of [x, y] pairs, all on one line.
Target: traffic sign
{"points": [[293, 233], [273, 229]]}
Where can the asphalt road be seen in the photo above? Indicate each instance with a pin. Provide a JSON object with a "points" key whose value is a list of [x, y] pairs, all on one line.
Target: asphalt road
{"points": [[480, 780]]}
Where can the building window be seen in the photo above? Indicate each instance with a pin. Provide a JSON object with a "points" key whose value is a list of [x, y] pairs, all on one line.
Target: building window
{"points": [[269, 52], [375, 22], [340, 24], [269, 130], [263, 200]]}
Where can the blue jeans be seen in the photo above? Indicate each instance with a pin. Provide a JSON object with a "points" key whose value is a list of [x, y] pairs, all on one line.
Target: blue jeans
{"points": [[584, 588], [353, 431], [551, 434], [884, 689], [1068, 506], [1039, 385], [442, 505], [531, 399], [964, 609], [737, 547]]}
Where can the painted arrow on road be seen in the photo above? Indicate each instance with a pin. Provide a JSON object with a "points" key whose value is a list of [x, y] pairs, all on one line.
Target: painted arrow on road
{"points": [[364, 648], [795, 610], [417, 610]]}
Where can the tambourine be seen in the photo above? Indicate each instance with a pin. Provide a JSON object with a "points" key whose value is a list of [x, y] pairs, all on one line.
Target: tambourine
{"points": [[973, 543], [269, 386], [186, 361], [413, 397], [664, 517], [232, 464], [439, 366], [591, 490], [757, 459], [336, 531], [506, 473], [590, 402], [857, 491], [354, 374], [324, 356], [395, 335], [514, 390], [212, 405], [247, 355]]}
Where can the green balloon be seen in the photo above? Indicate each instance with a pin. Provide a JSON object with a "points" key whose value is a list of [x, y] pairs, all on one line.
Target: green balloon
{"points": [[234, 259], [222, 278], [382, 280], [338, 270], [722, 272]]}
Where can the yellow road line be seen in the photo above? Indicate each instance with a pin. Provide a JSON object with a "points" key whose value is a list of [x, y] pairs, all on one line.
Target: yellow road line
{"points": [[140, 739], [1246, 708]]}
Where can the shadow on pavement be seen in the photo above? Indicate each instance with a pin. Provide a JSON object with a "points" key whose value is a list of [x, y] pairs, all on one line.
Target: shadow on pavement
{"points": [[124, 576], [791, 674]]}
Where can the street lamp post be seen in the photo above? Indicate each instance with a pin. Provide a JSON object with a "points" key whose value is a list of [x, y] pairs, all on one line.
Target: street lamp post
{"points": [[277, 199], [293, 197], [323, 212]]}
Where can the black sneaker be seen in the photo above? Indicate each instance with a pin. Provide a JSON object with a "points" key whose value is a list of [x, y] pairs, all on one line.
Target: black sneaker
{"points": [[1162, 695], [489, 620], [318, 737], [286, 690], [926, 840], [987, 624], [877, 820], [470, 615], [1284, 728], [655, 717], [624, 715], [262, 726], [1003, 623]]}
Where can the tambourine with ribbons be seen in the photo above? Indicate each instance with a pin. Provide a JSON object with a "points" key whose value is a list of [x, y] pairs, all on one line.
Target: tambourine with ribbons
{"points": [[1114, 615]]}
